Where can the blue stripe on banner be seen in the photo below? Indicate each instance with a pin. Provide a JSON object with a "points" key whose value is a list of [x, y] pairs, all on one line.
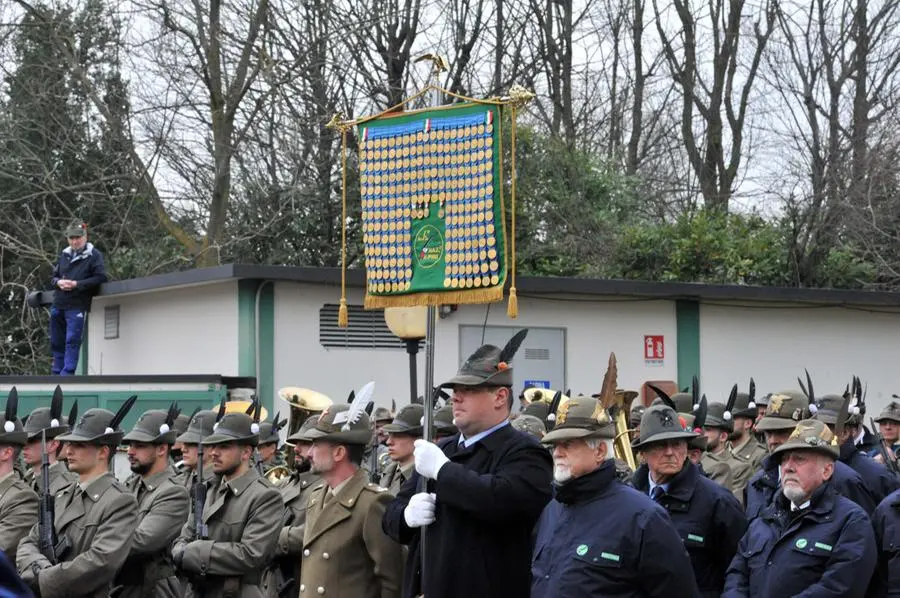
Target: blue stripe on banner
{"points": [[393, 130], [458, 121]]}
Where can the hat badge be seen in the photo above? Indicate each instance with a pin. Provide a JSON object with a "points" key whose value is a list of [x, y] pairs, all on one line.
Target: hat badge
{"points": [[562, 413]]}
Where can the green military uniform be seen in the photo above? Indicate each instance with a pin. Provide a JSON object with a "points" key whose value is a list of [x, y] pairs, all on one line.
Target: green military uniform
{"points": [[163, 506], [200, 426], [409, 422], [295, 491], [376, 458], [47, 422], [18, 502], [741, 471], [751, 450], [243, 516], [345, 552], [269, 434], [98, 518], [716, 470]]}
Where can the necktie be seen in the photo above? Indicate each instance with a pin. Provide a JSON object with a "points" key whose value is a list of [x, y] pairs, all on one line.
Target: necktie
{"points": [[657, 493]]}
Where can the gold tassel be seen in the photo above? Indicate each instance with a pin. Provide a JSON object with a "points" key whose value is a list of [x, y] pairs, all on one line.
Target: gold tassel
{"points": [[343, 317], [512, 309]]}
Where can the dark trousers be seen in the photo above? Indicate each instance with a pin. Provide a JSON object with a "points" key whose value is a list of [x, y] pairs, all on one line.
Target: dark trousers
{"points": [[66, 326]]}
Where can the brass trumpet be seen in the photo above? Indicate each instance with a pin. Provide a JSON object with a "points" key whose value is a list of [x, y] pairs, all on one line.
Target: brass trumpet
{"points": [[618, 403]]}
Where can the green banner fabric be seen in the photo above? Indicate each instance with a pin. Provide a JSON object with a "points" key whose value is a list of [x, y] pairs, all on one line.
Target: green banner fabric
{"points": [[432, 207]]}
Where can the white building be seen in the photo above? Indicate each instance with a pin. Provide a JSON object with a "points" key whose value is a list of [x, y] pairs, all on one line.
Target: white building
{"points": [[279, 324]]}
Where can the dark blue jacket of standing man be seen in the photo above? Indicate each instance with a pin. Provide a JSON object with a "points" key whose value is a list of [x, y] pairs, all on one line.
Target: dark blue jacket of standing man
{"points": [[599, 537], [78, 274], [886, 521]]}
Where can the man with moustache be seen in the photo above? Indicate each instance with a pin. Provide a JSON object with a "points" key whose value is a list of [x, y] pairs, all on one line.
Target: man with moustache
{"points": [[295, 492], [744, 445], [785, 410], [707, 516], [486, 489], [242, 512], [717, 428], [810, 541], [96, 517], [47, 423], [18, 502], [401, 434], [345, 552], [598, 537], [163, 506]]}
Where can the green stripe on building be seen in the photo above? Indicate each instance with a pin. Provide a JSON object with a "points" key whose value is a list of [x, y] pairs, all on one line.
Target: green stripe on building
{"points": [[247, 292], [687, 322]]}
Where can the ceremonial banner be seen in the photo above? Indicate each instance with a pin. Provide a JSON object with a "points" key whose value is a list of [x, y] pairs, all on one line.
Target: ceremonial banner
{"points": [[432, 206]]}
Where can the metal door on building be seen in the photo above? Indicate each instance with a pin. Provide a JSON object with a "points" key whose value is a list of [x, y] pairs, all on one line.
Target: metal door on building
{"points": [[540, 361]]}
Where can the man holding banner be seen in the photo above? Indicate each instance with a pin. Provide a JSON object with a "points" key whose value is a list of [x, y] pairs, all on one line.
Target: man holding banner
{"points": [[486, 489]]}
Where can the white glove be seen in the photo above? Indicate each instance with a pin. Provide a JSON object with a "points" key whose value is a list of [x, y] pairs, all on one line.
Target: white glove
{"points": [[429, 458], [420, 510]]}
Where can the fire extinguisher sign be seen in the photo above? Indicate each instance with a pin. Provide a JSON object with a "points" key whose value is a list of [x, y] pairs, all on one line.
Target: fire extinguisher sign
{"points": [[654, 350]]}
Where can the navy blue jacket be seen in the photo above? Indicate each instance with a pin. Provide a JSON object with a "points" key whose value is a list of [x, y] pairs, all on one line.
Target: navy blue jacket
{"points": [[886, 522], [708, 518], [599, 537], [877, 478], [87, 269], [824, 551], [763, 487], [489, 497]]}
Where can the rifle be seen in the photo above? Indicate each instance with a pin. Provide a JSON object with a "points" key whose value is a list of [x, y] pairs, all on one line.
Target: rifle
{"points": [[201, 530], [891, 464], [52, 549]]}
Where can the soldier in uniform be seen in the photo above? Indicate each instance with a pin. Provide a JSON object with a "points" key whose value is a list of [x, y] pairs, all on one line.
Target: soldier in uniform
{"points": [[443, 423], [598, 537], [486, 489], [163, 506], [810, 541], [530, 425], [889, 427], [295, 491], [18, 502], [876, 476], [717, 471], [269, 454], [46, 422], [242, 512], [744, 444], [786, 409], [634, 419], [345, 552], [376, 456], [180, 427], [708, 517], [96, 516], [402, 433], [200, 426], [718, 428]]}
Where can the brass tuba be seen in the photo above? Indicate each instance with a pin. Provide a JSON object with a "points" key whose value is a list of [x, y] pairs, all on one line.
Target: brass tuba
{"points": [[618, 403], [277, 474]]}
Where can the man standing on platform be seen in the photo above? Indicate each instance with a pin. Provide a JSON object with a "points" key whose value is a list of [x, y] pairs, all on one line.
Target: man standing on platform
{"points": [[76, 277]]}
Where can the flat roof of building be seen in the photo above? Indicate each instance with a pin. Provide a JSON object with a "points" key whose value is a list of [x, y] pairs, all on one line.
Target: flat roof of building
{"points": [[526, 286]]}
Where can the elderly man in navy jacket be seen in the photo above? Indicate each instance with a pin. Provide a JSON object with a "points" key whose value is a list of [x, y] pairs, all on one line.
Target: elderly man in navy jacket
{"points": [[599, 537], [486, 489], [78, 273], [810, 542]]}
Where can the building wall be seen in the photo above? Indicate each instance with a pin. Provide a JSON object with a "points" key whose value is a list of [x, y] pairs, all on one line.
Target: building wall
{"points": [[775, 344], [593, 328], [191, 330]]}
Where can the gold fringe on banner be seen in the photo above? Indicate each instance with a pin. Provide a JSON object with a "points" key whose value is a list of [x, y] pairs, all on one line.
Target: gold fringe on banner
{"points": [[488, 295]]}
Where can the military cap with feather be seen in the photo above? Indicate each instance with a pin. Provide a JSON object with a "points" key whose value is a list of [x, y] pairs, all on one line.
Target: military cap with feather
{"points": [[269, 431], [11, 430], [182, 422], [154, 427], [345, 424], [100, 426], [581, 417], [857, 407], [662, 422], [409, 420], [382, 414], [240, 428], [828, 407], [529, 424], [489, 365], [308, 424], [200, 426], [785, 409], [715, 418], [443, 421], [810, 435], [47, 420]]}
